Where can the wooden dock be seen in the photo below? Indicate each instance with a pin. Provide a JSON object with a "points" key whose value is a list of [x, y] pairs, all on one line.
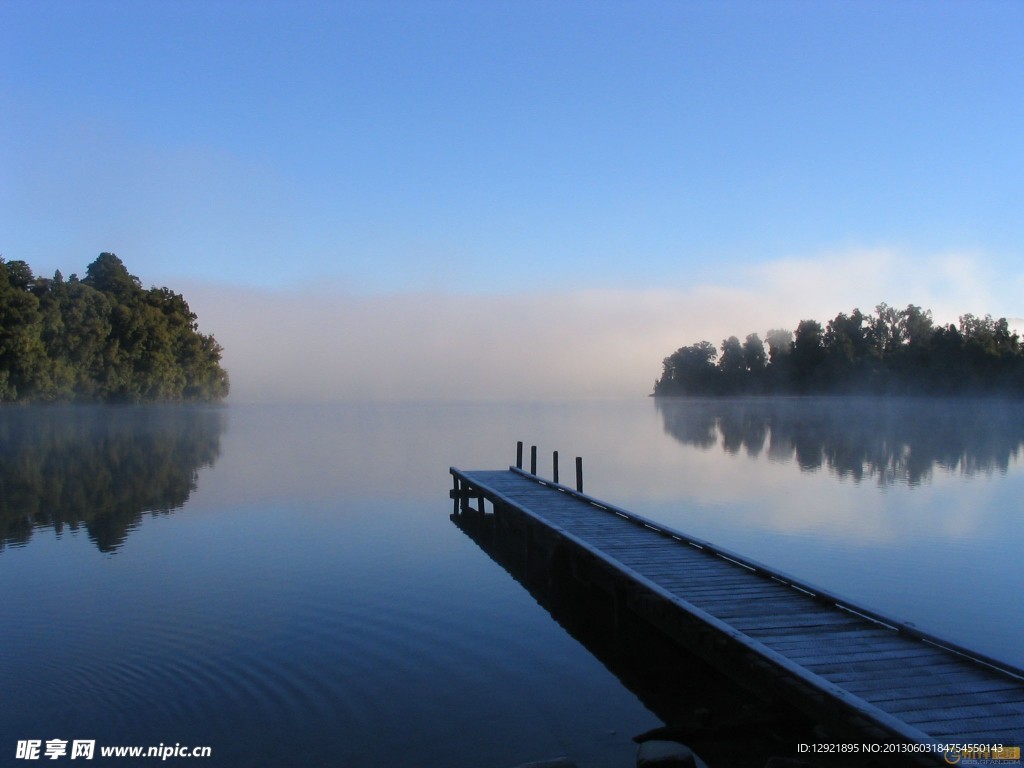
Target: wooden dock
{"points": [[897, 694]]}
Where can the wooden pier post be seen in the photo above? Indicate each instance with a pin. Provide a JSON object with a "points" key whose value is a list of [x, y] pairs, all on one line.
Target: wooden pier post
{"points": [[579, 474], [554, 466], [519, 454], [533, 459]]}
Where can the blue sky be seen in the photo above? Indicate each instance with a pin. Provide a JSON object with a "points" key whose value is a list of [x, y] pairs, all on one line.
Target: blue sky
{"points": [[662, 172]]}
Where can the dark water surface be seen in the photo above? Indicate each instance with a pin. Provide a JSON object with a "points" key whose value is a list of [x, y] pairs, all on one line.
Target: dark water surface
{"points": [[284, 585]]}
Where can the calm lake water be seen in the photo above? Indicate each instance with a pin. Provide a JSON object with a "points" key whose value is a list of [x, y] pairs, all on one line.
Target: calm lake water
{"points": [[284, 584]]}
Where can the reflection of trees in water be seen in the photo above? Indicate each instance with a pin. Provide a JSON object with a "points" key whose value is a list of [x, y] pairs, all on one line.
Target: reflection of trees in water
{"points": [[892, 440], [99, 467]]}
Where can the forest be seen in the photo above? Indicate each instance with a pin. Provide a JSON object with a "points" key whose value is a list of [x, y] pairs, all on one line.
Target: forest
{"points": [[890, 351], [102, 338]]}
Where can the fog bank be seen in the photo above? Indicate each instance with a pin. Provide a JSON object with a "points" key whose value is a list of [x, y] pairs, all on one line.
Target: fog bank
{"points": [[317, 344]]}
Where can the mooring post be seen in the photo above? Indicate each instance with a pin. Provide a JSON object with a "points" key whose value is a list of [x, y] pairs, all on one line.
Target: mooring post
{"points": [[554, 466], [533, 459], [579, 474], [519, 454]]}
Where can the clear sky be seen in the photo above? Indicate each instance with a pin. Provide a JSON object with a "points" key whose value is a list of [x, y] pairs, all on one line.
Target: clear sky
{"points": [[515, 199]]}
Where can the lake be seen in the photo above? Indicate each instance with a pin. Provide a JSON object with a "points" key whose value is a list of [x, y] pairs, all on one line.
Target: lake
{"points": [[284, 585]]}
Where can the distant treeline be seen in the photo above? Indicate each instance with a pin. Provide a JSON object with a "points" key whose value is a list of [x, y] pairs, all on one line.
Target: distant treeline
{"points": [[101, 338], [889, 352]]}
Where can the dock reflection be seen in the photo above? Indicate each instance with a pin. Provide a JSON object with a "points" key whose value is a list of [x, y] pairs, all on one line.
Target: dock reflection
{"points": [[723, 722]]}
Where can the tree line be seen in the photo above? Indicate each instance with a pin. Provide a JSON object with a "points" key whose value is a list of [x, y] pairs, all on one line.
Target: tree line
{"points": [[102, 338], [890, 351]]}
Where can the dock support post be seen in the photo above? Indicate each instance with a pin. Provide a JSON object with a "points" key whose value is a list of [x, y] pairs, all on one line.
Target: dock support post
{"points": [[533, 459], [519, 454], [554, 466], [579, 474]]}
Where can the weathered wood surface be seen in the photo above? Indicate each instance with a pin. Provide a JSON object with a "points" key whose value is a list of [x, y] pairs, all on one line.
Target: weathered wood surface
{"points": [[914, 686]]}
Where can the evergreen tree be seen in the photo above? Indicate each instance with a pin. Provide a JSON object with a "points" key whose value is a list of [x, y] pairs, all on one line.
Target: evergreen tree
{"points": [[101, 338]]}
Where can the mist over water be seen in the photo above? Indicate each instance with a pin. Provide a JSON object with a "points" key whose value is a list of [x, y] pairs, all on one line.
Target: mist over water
{"points": [[293, 344], [283, 583]]}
